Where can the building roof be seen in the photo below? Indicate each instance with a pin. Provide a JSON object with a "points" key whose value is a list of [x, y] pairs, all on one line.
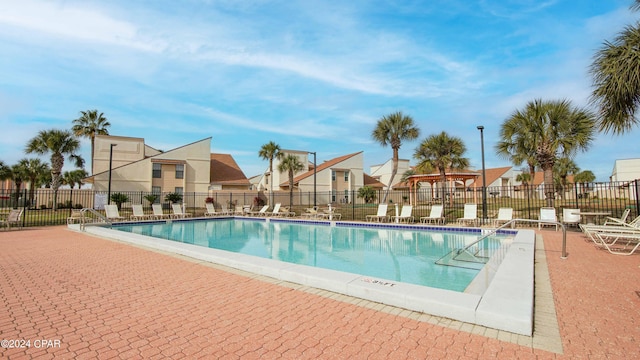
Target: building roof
{"points": [[493, 174], [371, 181], [325, 165], [225, 171]]}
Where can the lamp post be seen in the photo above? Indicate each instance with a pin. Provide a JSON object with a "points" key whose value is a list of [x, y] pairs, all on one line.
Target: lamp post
{"points": [[314, 179], [110, 163], [484, 178]]}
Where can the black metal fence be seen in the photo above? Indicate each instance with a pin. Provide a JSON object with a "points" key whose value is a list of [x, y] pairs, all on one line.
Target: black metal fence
{"points": [[44, 207]]}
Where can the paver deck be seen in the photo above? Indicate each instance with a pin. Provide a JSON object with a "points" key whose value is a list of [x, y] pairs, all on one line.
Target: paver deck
{"points": [[94, 298]]}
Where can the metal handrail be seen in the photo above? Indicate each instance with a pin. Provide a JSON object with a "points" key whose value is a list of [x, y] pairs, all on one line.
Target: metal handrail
{"points": [[96, 213], [564, 234]]}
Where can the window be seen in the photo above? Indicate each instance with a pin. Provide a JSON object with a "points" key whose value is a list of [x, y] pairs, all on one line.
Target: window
{"points": [[179, 190], [333, 175], [179, 171], [157, 170], [156, 190], [333, 195], [346, 176]]}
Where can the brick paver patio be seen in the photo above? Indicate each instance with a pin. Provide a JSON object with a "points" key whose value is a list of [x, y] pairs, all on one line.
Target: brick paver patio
{"points": [[78, 297]]}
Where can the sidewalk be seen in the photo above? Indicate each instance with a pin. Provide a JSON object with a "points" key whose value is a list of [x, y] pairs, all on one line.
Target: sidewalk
{"points": [[92, 298]]}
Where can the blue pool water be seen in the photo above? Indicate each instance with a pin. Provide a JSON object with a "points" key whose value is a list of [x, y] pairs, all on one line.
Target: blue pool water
{"points": [[397, 254]]}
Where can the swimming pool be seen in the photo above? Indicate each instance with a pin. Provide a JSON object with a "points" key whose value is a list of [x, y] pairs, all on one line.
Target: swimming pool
{"points": [[396, 254], [499, 297]]}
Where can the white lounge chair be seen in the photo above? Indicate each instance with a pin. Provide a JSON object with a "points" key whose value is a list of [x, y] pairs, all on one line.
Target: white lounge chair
{"points": [[310, 213], [571, 216], [158, 213], [284, 212], [380, 216], [260, 212], [275, 212], [547, 217], [210, 210], [112, 213], [618, 240], [470, 215], [434, 216], [618, 221], [138, 213], [405, 214], [178, 213], [13, 218], [504, 216]]}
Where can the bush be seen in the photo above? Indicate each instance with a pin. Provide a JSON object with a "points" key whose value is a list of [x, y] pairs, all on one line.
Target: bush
{"points": [[119, 199], [43, 206], [78, 206], [173, 198], [208, 200], [151, 198]]}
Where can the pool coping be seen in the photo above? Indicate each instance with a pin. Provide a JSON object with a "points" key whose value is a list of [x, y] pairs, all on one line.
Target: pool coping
{"points": [[507, 303]]}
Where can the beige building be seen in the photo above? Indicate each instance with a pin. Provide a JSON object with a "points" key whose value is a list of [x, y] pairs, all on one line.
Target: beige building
{"points": [[136, 166]]}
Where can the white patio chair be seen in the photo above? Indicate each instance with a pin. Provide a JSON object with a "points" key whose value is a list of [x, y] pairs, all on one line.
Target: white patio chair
{"points": [[405, 214], [434, 216], [547, 217], [571, 216], [13, 218], [380, 216], [158, 213], [178, 213], [112, 213], [138, 213], [504, 216], [470, 215], [210, 210]]}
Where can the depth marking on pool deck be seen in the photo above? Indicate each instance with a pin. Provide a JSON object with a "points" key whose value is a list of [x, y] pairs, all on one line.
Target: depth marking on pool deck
{"points": [[378, 282], [546, 333]]}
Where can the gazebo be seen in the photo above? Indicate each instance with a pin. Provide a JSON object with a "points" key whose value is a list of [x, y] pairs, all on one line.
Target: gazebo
{"points": [[434, 178]]}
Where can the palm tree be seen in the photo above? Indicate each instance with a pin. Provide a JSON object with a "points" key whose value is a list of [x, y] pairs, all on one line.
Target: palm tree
{"points": [[442, 152], [563, 167], [616, 80], [367, 193], [516, 145], [88, 125], [74, 177], [553, 129], [584, 177], [290, 164], [58, 143], [34, 168], [391, 130], [270, 151], [18, 174], [5, 172]]}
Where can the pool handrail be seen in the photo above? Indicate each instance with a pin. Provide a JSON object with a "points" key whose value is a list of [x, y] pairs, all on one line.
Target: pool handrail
{"points": [[512, 221]]}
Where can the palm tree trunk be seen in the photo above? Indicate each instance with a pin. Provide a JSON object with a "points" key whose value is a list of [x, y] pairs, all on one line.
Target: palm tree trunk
{"points": [[57, 162], [394, 171], [549, 189], [291, 188]]}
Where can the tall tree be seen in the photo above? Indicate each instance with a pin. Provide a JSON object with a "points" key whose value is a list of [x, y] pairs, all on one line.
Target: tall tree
{"points": [[555, 129], [74, 177], [290, 164], [34, 168], [442, 152], [516, 145], [270, 151], [392, 130], [58, 143], [90, 124], [563, 168], [616, 80], [18, 174], [5, 171]]}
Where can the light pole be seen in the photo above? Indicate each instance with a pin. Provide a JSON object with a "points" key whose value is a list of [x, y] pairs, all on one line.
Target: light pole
{"points": [[484, 177], [314, 179], [110, 163]]}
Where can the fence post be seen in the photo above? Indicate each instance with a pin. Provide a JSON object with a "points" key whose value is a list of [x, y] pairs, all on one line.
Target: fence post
{"points": [[24, 209], [70, 201]]}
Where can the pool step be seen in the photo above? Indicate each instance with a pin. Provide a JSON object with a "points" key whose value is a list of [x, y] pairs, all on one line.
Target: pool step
{"points": [[464, 259]]}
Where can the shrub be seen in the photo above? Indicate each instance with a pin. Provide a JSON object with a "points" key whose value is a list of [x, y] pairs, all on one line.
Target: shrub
{"points": [[209, 200], [151, 198], [119, 199], [173, 198]]}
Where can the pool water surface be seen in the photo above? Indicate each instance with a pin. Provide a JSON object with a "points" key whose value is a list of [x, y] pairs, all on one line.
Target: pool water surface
{"points": [[406, 255]]}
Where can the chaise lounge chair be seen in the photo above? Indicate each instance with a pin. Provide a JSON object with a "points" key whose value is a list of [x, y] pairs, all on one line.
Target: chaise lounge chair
{"points": [[380, 216], [178, 213], [111, 212], [158, 213], [434, 216], [260, 212], [210, 210], [548, 217], [470, 215], [405, 214], [618, 221], [13, 218], [504, 216], [138, 213]]}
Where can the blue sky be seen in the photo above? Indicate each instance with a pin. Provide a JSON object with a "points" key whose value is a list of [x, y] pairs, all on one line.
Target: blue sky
{"points": [[308, 75]]}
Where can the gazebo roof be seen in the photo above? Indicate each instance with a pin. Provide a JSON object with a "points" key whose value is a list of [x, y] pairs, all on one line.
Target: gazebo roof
{"points": [[450, 176]]}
